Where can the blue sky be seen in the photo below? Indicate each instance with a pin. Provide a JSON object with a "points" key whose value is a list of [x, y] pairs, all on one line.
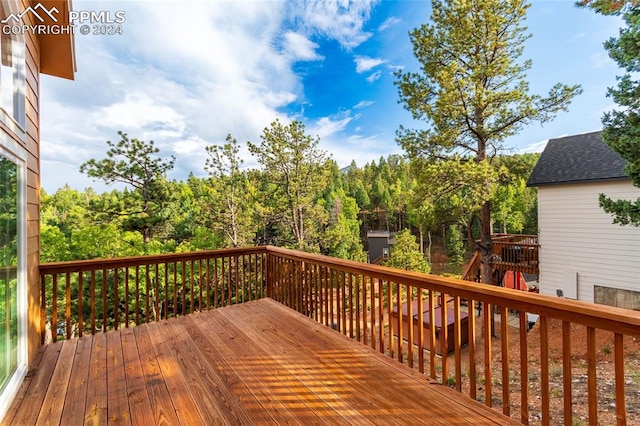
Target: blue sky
{"points": [[185, 74]]}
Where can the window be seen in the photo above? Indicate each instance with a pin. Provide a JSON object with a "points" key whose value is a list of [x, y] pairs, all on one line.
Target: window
{"points": [[12, 72], [13, 299]]}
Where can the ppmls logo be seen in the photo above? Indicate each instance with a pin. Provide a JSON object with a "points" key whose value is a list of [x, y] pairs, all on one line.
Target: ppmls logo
{"points": [[101, 22], [17, 17]]}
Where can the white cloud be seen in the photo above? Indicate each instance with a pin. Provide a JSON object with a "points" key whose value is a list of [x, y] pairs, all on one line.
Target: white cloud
{"points": [[365, 63], [326, 127], [187, 76], [389, 22], [300, 47], [534, 147], [600, 59], [363, 104], [341, 20], [373, 77]]}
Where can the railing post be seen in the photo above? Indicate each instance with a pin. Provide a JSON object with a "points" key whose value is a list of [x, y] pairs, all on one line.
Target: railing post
{"points": [[268, 284]]}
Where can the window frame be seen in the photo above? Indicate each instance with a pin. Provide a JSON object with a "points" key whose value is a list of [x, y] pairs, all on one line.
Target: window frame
{"points": [[15, 153], [16, 122]]}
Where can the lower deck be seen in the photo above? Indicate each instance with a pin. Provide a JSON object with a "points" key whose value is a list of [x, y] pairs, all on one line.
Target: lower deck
{"points": [[253, 363]]}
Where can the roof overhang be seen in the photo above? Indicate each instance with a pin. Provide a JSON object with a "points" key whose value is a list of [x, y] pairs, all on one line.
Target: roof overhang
{"points": [[57, 50]]}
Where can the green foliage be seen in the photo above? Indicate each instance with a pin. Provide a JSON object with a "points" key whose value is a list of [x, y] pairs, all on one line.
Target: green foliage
{"points": [[133, 163], [455, 245], [608, 7], [621, 128], [231, 201], [297, 171], [472, 92], [405, 254], [342, 236]]}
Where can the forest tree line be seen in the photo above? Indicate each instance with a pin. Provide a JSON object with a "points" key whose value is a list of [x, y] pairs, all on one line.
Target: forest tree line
{"points": [[297, 198]]}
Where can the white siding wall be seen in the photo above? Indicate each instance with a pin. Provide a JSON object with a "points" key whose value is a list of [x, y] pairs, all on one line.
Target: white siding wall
{"points": [[576, 235]]}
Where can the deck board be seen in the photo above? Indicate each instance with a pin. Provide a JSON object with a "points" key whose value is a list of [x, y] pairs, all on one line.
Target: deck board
{"points": [[253, 363]]}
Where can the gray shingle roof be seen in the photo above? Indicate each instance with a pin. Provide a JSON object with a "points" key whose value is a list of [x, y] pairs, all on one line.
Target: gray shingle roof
{"points": [[578, 158]]}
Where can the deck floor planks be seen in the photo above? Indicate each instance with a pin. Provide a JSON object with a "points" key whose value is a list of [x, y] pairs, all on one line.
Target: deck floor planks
{"points": [[13, 409], [194, 402], [53, 403], [252, 363], [258, 378], [338, 368], [139, 405], [31, 404], [77, 391], [274, 410], [320, 338], [163, 411], [96, 404], [117, 400], [320, 394]]}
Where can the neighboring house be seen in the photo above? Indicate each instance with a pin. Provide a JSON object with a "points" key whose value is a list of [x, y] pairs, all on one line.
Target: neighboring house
{"points": [[380, 243], [24, 56], [583, 255]]}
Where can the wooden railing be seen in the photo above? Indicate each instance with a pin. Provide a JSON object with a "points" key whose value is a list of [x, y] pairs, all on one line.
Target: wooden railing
{"points": [[511, 252], [534, 376], [84, 297], [518, 253], [362, 301]]}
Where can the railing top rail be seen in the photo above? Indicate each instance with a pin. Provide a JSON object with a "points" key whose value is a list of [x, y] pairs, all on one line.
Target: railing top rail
{"points": [[599, 316], [516, 243], [97, 264]]}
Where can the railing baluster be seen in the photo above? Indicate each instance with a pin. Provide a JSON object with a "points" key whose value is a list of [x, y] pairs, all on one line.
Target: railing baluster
{"points": [[544, 369], [399, 322], [157, 296], [365, 326], [343, 284], [358, 331], [104, 300], [618, 353], [147, 286], [175, 289], [444, 335], [487, 353], [126, 297], [166, 290], [380, 314], [457, 338], [351, 325], [410, 337], [566, 372], [504, 339], [54, 309], [390, 317], [67, 280], [471, 315], [191, 286], [592, 389], [372, 310], [524, 369], [420, 304], [80, 304], [93, 302], [115, 299], [432, 334]]}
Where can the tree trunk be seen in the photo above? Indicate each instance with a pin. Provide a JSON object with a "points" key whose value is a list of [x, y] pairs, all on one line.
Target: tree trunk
{"points": [[485, 245]]}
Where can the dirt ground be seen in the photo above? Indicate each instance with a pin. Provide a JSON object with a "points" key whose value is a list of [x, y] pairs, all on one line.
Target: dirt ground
{"points": [[605, 373]]}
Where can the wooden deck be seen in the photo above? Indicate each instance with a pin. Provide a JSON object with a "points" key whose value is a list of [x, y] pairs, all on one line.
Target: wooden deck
{"points": [[253, 363]]}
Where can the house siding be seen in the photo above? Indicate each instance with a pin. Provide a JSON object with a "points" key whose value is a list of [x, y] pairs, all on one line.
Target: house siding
{"points": [[577, 236]]}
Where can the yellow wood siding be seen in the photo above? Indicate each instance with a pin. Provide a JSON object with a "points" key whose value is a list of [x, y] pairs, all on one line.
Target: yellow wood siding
{"points": [[32, 106]]}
